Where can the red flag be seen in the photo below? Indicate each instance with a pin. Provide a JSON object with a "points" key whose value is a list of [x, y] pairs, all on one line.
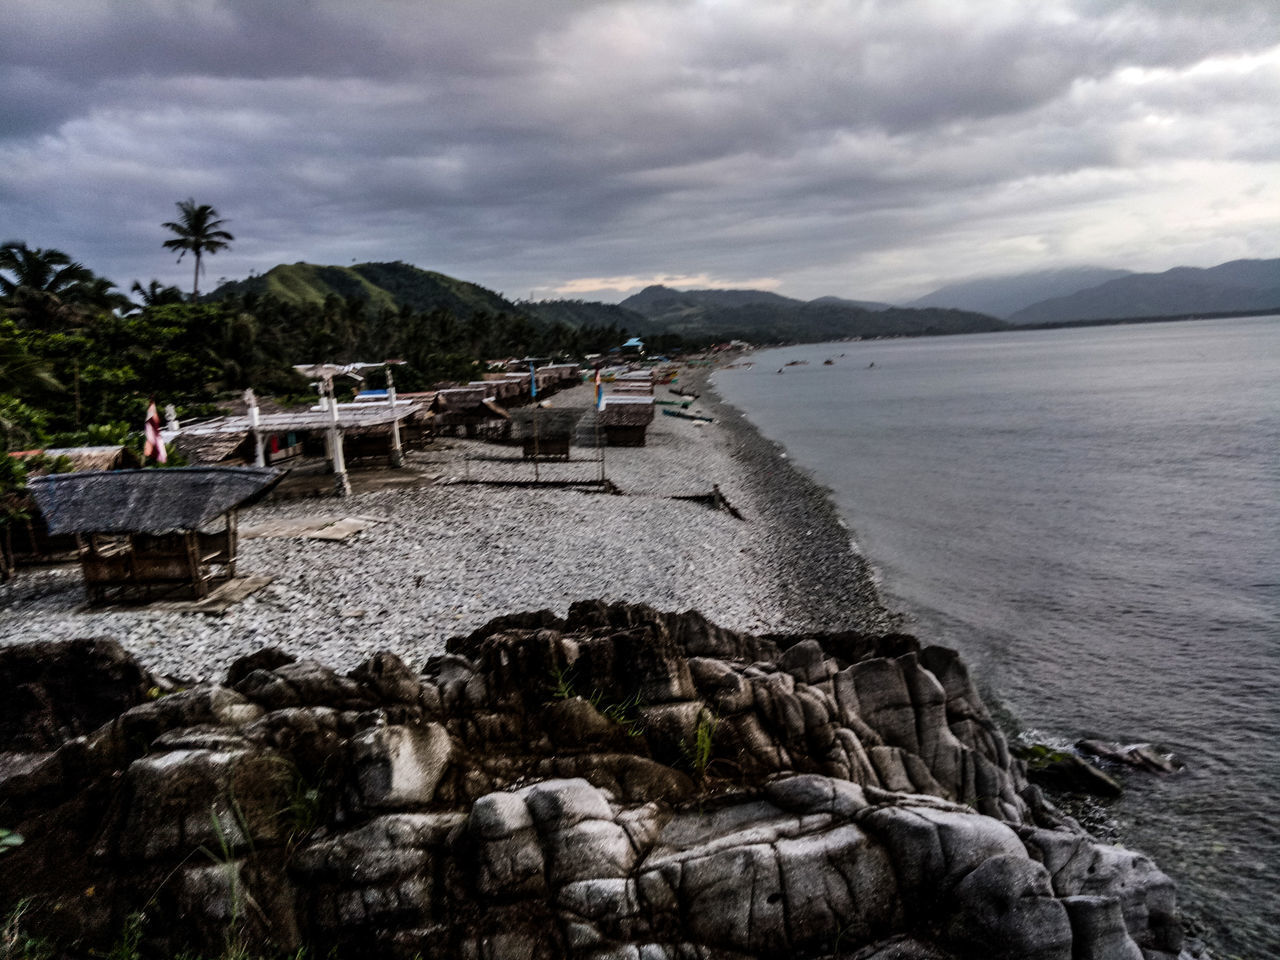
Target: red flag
{"points": [[153, 445]]}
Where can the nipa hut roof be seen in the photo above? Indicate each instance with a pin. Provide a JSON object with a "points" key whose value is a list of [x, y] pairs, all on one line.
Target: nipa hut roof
{"points": [[626, 411], [457, 398], [351, 416], [209, 447], [146, 501], [88, 458], [549, 423]]}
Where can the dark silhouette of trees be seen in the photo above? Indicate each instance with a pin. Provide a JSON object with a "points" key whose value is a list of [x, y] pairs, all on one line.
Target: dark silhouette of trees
{"points": [[156, 294], [199, 232]]}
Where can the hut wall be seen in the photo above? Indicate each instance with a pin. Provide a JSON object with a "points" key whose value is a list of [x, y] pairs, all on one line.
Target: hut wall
{"points": [[625, 436]]}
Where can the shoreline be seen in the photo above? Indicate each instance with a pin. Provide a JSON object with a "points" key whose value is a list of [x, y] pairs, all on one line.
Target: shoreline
{"points": [[811, 537], [785, 669], [441, 558], [1101, 818]]}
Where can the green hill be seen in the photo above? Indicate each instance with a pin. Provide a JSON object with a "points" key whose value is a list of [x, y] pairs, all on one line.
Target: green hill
{"points": [[765, 317], [389, 285], [583, 313], [698, 316]]}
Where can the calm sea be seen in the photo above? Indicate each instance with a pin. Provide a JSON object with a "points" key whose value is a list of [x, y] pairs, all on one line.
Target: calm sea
{"points": [[1092, 517]]}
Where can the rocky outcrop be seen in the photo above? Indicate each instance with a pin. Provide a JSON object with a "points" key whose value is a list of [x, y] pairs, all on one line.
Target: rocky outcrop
{"points": [[621, 784]]}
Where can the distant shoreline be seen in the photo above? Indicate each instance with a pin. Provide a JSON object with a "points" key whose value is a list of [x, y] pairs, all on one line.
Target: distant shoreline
{"points": [[1118, 321]]}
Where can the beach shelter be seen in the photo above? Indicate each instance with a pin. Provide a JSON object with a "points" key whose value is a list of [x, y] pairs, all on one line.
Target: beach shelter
{"points": [[148, 531]]}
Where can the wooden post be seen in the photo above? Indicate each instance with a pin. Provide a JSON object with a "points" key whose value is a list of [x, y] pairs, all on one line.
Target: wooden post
{"points": [[397, 453], [259, 454], [536, 451], [341, 483], [194, 565], [233, 541]]}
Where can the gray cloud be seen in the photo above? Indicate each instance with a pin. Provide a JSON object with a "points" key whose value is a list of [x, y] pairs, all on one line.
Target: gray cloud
{"points": [[835, 147]]}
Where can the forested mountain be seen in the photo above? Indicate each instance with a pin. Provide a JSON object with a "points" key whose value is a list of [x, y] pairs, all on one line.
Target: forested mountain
{"points": [[577, 313], [659, 301], [864, 304], [765, 317], [382, 285], [1236, 286], [1003, 296]]}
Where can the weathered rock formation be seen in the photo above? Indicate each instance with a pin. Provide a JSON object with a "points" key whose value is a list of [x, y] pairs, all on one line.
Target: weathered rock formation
{"points": [[621, 784]]}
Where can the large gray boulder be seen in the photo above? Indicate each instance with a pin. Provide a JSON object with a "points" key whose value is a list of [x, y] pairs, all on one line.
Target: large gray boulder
{"points": [[622, 784]]}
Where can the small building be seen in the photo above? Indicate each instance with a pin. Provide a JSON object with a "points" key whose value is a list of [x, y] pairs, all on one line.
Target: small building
{"points": [[26, 537], [144, 532], [634, 383], [473, 409], [368, 428], [546, 433], [625, 419]]}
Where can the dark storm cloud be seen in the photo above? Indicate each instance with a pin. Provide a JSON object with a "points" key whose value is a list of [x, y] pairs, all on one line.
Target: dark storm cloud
{"points": [[530, 144]]}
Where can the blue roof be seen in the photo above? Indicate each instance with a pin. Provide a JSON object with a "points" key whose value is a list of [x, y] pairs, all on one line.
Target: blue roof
{"points": [[634, 342]]}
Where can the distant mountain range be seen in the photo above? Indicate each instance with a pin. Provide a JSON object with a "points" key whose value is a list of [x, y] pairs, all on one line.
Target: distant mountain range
{"points": [[1096, 293], [762, 316], [1237, 286], [1004, 296], [1058, 296], [694, 315]]}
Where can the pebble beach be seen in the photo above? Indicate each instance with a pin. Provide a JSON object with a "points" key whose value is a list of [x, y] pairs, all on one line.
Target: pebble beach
{"points": [[444, 552]]}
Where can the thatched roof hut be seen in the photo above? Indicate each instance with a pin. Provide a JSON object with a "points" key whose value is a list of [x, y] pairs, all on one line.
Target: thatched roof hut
{"points": [[625, 411], [209, 448], [457, 399], [625, 420], [81, 459], [547, 423], [147, 501]]}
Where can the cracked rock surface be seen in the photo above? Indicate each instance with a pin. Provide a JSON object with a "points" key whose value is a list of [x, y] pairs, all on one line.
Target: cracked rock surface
{"points": [[617, 783]]}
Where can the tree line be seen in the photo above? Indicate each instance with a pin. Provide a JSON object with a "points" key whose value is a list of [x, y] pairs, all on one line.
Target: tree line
{"points": [[80, 359]]}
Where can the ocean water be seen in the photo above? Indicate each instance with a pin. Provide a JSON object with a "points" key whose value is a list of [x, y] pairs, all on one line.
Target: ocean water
{"points": [[1092, 517]]}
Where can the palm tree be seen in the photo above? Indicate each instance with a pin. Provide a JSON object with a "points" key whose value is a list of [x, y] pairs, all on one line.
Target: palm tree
{"points": [[43, 287], [198, 231], [156, 294], [47, 271]]}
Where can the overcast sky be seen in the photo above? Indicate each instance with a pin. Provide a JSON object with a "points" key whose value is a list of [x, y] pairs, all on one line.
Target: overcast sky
{"points": [[578, 148]]}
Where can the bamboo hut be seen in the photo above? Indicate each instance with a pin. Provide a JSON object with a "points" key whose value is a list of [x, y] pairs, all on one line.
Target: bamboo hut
{"points": [[472, 408], [625, 420], [26, 536], [149, 531], [368, 429], [546, 433]]}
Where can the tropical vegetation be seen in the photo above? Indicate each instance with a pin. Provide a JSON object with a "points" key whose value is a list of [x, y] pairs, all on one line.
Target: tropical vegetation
{"points": [[80, 360]]}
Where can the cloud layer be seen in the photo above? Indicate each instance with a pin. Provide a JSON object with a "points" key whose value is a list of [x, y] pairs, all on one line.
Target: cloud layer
{"points": [[864, 149]]}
